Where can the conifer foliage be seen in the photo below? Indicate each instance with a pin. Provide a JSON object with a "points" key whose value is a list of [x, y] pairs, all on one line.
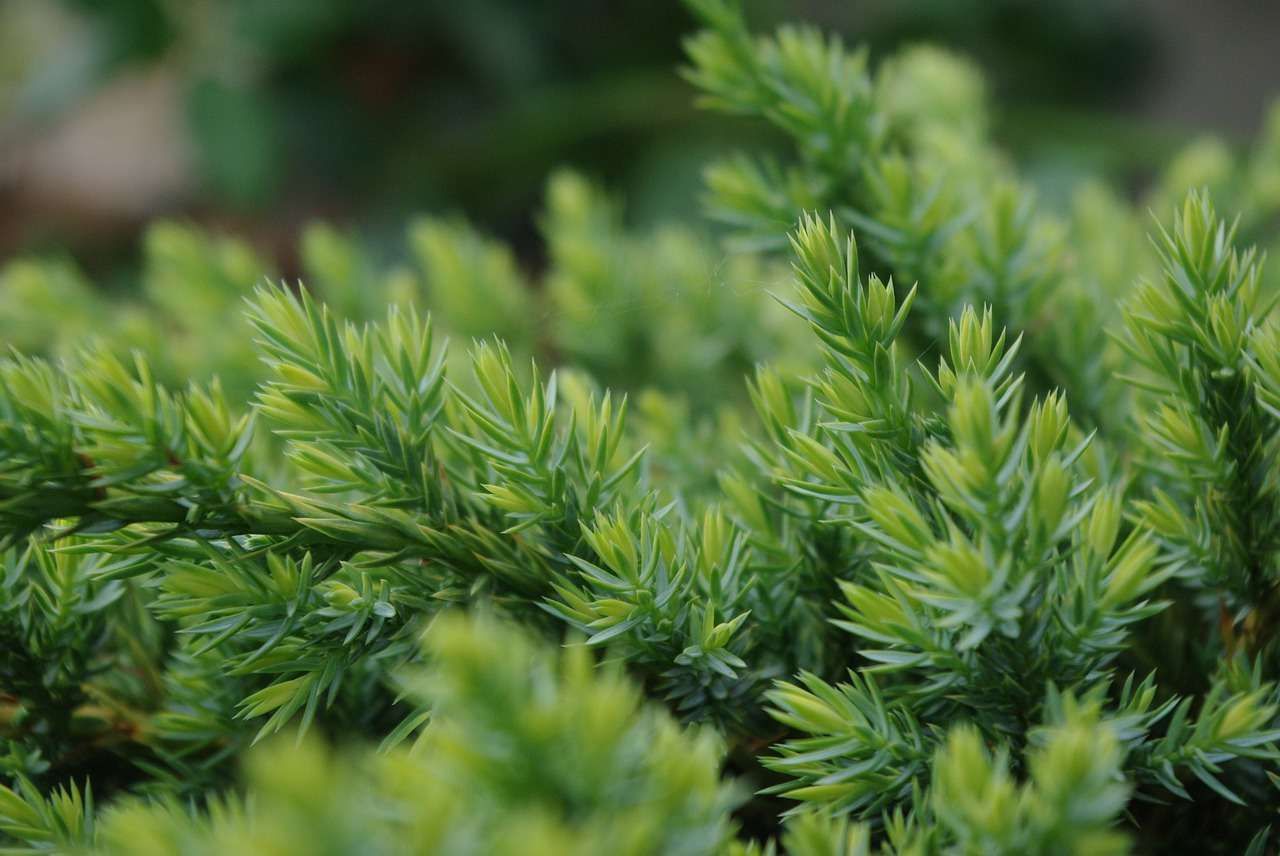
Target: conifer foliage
{"points": [[969, 542]]}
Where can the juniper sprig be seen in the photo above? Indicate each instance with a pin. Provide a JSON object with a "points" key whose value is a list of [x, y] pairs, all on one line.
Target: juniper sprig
{"points": [[929, 521]]}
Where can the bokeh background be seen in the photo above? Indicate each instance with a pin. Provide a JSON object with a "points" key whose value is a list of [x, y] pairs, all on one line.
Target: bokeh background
{"points": [[255, 118]]}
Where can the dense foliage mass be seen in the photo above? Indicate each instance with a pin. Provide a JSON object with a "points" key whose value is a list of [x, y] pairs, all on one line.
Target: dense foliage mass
{"points": [[993, 568]]}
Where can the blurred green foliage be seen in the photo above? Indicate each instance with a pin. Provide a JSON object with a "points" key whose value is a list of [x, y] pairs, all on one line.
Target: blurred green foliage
{"points": [[990, 569], [375, 110]]}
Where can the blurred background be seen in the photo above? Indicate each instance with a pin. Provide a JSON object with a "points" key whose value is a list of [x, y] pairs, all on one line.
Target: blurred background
{"points": [[255, 118]]}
